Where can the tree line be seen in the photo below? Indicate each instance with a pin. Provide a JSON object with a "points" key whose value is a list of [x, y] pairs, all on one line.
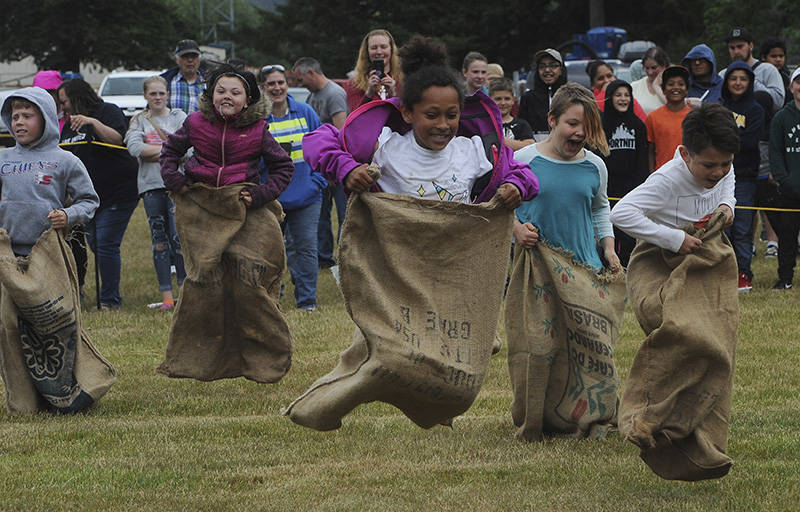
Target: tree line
{"points": [[61, 34]]}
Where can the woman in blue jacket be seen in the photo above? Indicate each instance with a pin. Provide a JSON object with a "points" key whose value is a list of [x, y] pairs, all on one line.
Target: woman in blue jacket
{"points": [[288, 121]]}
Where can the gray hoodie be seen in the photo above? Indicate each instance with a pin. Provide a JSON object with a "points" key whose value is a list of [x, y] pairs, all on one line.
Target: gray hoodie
{"points": [[142, 132], [40, 177]]}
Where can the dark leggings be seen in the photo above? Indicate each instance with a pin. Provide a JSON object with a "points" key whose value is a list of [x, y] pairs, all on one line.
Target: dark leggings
{"points": [[787, 226]]}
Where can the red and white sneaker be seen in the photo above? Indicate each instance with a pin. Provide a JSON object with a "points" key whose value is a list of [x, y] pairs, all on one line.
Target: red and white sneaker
{"points": [[744, 282]]}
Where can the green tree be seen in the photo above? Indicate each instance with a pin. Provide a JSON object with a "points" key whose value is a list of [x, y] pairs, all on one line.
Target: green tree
{"points": [[678, 25], [509, 32], [62, 34]]}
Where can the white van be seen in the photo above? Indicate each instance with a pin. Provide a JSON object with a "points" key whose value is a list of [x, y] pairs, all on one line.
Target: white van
{"points": [[124, 89]]}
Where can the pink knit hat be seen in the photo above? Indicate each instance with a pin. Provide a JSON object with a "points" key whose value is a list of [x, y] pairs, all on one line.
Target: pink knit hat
{"points": [[49, 79]]}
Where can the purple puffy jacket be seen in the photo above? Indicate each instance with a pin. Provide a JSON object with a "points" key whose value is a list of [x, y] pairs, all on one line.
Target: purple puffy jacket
{"points": [[335, 153], [227, 151]]}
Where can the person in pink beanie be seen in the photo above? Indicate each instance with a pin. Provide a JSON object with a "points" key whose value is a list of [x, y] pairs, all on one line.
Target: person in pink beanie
{"points": [[49, 80]]}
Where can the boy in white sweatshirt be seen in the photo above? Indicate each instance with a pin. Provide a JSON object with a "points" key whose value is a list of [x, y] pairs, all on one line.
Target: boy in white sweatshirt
{"points": [[687, 188]]}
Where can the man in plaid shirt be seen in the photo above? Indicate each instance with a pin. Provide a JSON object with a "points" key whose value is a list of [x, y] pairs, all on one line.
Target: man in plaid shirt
{"points": [[186, 81]]}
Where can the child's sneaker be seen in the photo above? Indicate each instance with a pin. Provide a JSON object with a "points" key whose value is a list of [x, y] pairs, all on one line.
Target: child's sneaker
{"points": [[167, 305], [744, 282], [771, 251], [782, 284]]}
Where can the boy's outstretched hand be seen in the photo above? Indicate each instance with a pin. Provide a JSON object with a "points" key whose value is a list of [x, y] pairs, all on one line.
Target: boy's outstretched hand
{"points": [[689, 244], [58, 219], [358, 180], [509, 195]]}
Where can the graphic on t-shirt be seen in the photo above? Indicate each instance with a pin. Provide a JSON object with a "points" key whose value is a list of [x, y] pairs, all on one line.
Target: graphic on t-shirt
{"points": [[153, 138], [43, 179], [740, 119], [446, 195], [622, 138], [794, 138]]}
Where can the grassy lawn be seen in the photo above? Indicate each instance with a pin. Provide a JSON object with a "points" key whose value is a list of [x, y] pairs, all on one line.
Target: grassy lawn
{"points": [[155, 443]]}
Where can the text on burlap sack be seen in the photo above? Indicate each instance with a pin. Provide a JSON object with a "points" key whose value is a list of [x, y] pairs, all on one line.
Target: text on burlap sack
{"points": [[48, 316], [451, 335], [244, 269], [585, 330]]}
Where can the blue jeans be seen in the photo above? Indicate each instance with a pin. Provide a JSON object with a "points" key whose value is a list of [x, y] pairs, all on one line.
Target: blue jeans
{"points": [[300, 230], [332, 194], [741, 233], [105, 232], [166, 246]]}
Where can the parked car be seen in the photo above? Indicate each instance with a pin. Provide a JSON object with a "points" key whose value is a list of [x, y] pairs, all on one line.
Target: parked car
{"points": [[299, 93], [124, 89], [576, 71]]}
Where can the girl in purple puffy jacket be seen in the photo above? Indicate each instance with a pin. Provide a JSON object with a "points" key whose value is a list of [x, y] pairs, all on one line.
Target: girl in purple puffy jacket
{"points": [[230, 137], [433, 143]]}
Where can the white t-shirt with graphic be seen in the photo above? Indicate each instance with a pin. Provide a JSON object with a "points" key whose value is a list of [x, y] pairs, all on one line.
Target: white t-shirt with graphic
{"points": [[669, 199], [447, 175]]}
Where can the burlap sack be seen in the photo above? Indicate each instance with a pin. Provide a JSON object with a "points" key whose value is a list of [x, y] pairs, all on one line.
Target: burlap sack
{"points": [[46, 360], [562, 321], [228, 322], [423, 282], [677, 398]]}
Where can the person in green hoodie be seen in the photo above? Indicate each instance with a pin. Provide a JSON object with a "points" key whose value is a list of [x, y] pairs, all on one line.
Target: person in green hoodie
{"points": [[784, 159]]}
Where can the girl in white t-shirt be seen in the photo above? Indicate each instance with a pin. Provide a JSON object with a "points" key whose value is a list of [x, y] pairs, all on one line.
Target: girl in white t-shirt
{"points": [[430, 161]]}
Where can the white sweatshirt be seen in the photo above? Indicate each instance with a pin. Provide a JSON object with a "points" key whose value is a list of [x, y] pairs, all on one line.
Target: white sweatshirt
{"points": [[669, 199]]}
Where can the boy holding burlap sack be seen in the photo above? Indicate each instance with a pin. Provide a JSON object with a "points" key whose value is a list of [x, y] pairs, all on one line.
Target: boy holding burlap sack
{"points": [[682, 284], [46, 361]]}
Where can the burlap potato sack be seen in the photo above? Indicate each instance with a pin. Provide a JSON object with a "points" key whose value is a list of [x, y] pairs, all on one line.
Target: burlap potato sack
{"points": [[562, 321], [228, 322], [46, 359], [423, 282], [677, 399]]}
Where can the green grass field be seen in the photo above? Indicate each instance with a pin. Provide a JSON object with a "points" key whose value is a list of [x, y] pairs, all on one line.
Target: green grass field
{"points": [[154, 443]]}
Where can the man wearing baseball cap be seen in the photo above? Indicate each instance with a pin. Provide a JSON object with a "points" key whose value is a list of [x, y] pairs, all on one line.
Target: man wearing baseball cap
{"points": [[767, 76], [549, 74], [186, 80]]}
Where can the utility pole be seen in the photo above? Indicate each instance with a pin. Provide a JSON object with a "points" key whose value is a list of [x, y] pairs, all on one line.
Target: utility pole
{"points": [[213, 14], [597, 13]]}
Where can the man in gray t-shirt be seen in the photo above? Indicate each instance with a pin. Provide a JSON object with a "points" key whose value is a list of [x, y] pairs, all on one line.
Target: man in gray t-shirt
{"points": [[327, 98], [329, 101]]}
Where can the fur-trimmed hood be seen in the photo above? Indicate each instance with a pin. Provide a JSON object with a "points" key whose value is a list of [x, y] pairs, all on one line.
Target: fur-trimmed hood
{"points": [[248, 115]]}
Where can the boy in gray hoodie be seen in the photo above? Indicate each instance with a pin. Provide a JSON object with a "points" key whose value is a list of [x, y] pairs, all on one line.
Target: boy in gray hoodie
{"points": [[37, 178], [46, 360]]}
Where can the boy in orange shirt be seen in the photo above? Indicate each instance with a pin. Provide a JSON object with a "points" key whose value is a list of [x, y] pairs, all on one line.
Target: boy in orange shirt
{"points": [[664, 123]]}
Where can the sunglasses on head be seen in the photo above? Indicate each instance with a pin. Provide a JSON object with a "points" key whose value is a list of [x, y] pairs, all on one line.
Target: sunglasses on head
{"points": [[272, 67]]}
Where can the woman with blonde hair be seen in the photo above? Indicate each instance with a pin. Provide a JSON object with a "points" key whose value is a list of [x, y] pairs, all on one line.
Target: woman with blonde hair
{"points": [[572, 210], [561, 364], [147, 132], [377, 71]]}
